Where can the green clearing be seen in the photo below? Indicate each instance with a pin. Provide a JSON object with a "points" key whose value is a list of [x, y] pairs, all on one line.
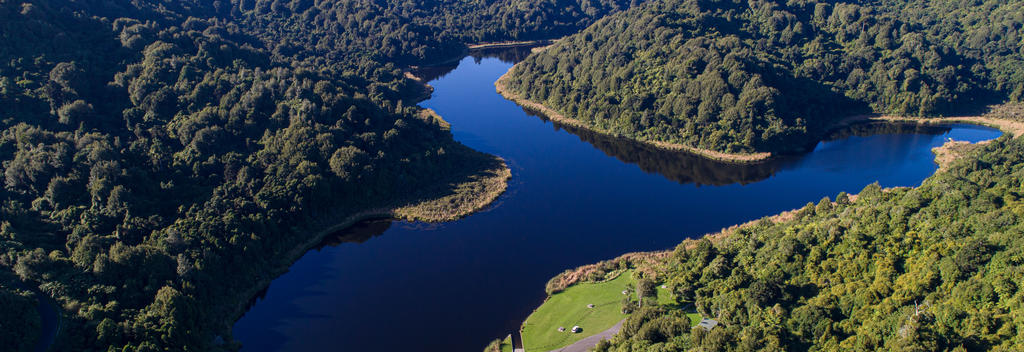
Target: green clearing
{"points": [[694, 318], [666, 299], [569, 308]]}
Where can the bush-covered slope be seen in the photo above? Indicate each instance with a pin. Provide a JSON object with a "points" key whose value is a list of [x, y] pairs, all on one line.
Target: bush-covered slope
{"points": [[989, 31], [933, 268], [158, 166], [410, 31], [741, 77]]}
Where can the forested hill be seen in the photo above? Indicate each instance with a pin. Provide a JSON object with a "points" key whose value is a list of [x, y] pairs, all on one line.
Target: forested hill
{"points": [[410, 31], [163, 159], [933, 268], [772, 75], [988, 31]]}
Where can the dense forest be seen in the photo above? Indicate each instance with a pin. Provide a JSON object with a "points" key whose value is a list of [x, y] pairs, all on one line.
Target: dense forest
{"points": [[162, 160], [774, 76], [933, 268], [988, 31]]}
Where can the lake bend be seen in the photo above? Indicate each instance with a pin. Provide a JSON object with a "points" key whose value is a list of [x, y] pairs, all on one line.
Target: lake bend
{"points": [[574, 198]]}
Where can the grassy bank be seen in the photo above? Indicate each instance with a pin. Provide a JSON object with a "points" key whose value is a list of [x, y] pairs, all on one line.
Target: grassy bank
{"points": [[570, 308]]}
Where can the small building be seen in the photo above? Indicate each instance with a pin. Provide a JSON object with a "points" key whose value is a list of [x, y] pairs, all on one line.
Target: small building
{"points": [[590, 305], [707, 324]]}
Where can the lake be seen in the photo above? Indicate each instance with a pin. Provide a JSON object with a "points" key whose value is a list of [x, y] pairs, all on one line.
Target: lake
{"points": [[574, 198]]}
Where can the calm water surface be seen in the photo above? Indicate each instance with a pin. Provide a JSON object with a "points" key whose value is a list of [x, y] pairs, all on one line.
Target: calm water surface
{"points": [[574, 199]]}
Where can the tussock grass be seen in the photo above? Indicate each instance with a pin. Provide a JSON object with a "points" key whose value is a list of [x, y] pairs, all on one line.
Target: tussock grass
{"points": [[509, 44], [476, 192], [952, 151], [608, 270]]}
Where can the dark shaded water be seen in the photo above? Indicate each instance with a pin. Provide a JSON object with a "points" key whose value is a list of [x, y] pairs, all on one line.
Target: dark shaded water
{"points": [[574, 199], [49, 323], [49, 318]]}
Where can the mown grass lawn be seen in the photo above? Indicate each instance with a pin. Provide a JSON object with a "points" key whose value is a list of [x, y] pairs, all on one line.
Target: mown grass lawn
{"points": [[569, 308]]}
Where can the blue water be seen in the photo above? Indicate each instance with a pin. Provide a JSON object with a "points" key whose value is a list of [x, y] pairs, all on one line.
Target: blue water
{"points": [[573, 200]]}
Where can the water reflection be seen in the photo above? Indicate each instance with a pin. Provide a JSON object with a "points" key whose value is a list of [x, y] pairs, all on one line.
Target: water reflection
{"points": [[506, 55], [360, 232], [430, 73], [678, 166], [890, 128], [684, 167], [568, 204]]}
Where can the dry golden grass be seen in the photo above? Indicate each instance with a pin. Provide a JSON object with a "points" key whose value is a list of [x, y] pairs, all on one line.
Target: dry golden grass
{"points": [[540, 48], [431, 116], [466, 197], [509, 44], [723, 233], [413, 77], [425, 89], [646, 262], [952, 151]]}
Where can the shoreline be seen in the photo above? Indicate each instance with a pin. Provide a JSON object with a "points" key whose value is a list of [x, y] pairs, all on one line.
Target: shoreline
{"points": [[1012, 127], [493, 182], [509, 44], [424, 209], [945, 155], [503, 89]]}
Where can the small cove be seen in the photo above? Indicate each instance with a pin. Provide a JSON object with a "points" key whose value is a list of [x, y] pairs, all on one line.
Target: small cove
{"points": [[574, 198]]}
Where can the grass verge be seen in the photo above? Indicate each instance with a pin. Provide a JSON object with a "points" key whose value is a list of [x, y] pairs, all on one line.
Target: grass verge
{"points": [[568, 308]]}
